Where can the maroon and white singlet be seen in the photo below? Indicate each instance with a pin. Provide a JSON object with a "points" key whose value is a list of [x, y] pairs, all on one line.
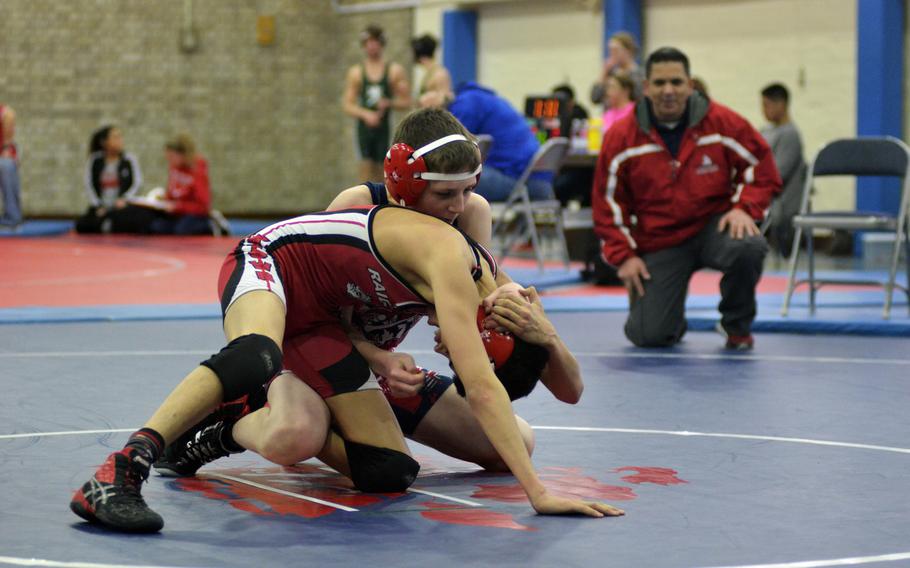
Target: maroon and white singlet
{"points": [[319, 264]]}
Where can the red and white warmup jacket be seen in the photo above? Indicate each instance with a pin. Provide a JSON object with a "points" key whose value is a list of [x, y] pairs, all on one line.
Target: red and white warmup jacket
{"points": [[644, 200], [188, 189]]}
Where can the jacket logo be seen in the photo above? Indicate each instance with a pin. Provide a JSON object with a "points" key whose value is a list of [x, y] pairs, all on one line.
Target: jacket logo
{"points": [[706, 166]]}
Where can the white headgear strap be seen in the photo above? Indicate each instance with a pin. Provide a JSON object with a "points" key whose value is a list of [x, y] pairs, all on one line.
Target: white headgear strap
{"points": [[433, 176]]}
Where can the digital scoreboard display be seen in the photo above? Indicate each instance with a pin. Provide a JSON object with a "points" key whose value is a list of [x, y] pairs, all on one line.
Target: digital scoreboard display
{"points": [[542, 107], [547, 115]]}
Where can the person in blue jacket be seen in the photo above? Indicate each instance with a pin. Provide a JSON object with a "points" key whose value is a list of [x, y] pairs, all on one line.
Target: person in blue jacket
{"points": [[482, 111]]}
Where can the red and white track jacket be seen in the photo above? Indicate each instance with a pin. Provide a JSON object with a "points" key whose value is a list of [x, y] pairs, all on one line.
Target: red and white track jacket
{"points": [[644, 200]]}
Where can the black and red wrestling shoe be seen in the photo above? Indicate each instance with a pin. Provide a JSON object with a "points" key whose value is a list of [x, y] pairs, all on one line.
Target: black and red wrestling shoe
{"points": [[112, 496]]}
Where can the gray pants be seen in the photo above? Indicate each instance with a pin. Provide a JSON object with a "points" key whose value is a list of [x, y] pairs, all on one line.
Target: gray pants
{"points": [[658, 318], [9, 187]]}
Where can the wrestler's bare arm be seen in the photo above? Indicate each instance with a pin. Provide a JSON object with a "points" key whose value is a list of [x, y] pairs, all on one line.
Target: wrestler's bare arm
{"points": [[456, 299], [438, 265], [352, 83], [357, 196], [400, 86]]}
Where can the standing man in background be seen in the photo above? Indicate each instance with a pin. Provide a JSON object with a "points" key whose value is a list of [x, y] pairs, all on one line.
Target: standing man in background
{"points": [[679, 186], [787, 144], [436, 78], [9, 170], [572, 184], [372, 89]]}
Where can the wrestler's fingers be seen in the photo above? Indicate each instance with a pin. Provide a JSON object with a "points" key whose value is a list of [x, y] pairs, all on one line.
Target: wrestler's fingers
{"points": [[513, 311], [607, 510]]}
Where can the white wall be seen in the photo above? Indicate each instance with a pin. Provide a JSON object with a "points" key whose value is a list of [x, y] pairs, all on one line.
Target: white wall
{"points": [[528, 46], [739, 46], [736, 46]]}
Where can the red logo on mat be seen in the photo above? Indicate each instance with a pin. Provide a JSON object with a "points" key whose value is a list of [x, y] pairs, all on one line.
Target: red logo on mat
{"points": [[657, 475], [299, 491]]}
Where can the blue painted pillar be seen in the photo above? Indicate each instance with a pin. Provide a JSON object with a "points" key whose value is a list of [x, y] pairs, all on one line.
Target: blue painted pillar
{"points": [[879, 92], [621, 15], [459, 44]]}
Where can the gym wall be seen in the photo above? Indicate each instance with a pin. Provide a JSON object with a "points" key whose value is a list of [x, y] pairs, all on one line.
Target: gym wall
{"points": [[268, 118]]}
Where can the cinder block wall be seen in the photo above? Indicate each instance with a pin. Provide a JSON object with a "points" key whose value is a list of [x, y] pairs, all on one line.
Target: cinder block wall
{"points": [[268, 118]]}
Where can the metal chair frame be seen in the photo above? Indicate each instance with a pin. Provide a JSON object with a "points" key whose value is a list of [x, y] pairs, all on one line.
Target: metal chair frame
{"points": [[864, 156], [519, 207]]}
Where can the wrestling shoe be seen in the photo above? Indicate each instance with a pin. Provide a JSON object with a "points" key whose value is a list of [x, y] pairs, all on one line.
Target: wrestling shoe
{"points": [[740, 342], [198, 447], [736, 342], [112, 496], [194, 449]]}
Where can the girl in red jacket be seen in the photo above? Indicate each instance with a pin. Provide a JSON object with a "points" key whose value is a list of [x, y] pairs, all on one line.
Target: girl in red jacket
{"points": [[187, 200]]}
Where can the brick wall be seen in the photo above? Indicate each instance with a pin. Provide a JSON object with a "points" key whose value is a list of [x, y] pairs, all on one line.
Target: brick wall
{"points": [[267, 118]]}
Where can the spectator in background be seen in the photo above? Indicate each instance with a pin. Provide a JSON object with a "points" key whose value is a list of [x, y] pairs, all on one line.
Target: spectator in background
{"points": [[623, 50], [188, 195], [679, 185], [787, 144], [619, 101], [482, 111], [183, 208], [436, 78], [572, 184], [9, 170], [574, 110], [111, 177], [372, 89]]}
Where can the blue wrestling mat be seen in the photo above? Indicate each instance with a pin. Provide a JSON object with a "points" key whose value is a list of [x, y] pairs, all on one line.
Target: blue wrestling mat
{"points": [[779, 457], [39, 228]]}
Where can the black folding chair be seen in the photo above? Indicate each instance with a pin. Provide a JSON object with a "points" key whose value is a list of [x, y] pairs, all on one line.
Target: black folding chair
{"points": [[519, 212], [865, 156]]}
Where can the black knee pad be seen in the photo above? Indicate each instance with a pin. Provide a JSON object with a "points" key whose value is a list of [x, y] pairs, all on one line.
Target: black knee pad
{"points": [[245, 364], [380, 470]]}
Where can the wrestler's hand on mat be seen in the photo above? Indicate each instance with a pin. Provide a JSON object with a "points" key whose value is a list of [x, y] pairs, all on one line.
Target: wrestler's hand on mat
{"points": [[739, 224], [522, 315], [403, 377], [549, 504]]}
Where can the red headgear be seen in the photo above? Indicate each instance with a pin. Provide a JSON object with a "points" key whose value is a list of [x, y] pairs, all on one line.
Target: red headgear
{"points": [[499, 345], [517, 364], [406, 174]]}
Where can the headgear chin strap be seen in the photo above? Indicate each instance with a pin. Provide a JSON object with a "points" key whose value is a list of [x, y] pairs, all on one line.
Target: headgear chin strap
{"points": [[406, 174]]}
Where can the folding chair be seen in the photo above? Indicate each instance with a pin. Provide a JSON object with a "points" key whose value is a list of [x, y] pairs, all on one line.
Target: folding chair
{"points": [[484, 142], [519, 211], [866, 156]]}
